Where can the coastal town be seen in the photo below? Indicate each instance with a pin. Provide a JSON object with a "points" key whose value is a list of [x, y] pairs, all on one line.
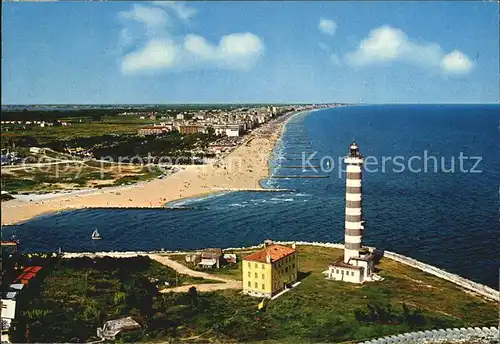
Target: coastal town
{"points": [[234, 163], [227, 127], [255, 172]]}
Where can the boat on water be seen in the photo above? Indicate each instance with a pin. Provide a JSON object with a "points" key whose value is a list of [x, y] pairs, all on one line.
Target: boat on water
{"points": [[96, 235]]}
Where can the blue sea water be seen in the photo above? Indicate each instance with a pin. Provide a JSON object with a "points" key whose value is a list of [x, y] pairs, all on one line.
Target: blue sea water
{"points": [[448, 219]]}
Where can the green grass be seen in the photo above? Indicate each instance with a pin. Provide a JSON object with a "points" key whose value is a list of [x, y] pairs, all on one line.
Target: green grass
{"points": [[316, 311], [74, 176], [77, 130], [138, 177], [77, 295], [324, 311]]}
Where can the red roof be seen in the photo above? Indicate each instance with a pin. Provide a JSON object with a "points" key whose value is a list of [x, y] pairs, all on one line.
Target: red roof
{"points": [[36, 268], [276, 252], [32, 269], [28, 274]]}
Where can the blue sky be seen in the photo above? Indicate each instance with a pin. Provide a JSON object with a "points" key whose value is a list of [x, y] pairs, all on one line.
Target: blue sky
{"points": [[224, 52]]}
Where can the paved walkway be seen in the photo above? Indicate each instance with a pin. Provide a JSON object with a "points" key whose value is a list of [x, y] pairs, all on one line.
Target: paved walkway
{"points": [[182, 269]]}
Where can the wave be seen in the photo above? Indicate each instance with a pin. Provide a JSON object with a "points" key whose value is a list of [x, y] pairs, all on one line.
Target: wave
{"points": [[196, 199], [277, 199], [237, 205], [302, 195]]}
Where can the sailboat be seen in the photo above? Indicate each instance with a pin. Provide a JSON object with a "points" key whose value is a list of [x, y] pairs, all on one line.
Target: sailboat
{"points": [[96, 235]]}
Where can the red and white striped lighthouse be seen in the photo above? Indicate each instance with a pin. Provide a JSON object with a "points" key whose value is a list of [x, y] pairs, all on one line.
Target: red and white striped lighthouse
{"points": [[353, 216]]}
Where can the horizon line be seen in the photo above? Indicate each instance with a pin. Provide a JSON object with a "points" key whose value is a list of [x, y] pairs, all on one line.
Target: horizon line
{"points": [[243, 103]]}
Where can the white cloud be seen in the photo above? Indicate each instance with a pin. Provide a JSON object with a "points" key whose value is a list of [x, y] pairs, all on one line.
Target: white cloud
{"points": [[151, 16], [156, 54], [327, 26], [456, 62], [180, 8], [236, 51], [385, 44]]}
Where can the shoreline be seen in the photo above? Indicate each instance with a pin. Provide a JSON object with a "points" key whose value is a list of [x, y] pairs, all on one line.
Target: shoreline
{"points": [[242, 169]]}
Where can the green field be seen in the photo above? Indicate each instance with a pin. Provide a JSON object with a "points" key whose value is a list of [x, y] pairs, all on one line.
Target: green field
{"points": [[73, 176], [315, 311], [50, 134], [77, 295]]}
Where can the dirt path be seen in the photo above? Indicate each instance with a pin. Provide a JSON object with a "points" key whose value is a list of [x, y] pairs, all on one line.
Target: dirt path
{"points": [[182, 269]]}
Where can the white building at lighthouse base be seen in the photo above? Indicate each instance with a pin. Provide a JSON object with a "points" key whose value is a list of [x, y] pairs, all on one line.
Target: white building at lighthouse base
{"points": [[356, 270]]}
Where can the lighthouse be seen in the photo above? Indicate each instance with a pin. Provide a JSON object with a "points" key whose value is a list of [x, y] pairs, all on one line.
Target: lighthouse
{"points": [[353, 199], [358, 262]]}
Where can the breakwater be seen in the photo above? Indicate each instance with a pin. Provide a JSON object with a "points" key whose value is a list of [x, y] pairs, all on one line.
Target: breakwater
{"points": [[299, 177], [449, 335], [460, 281], [472, 286], [254, 190], [297, 166]]}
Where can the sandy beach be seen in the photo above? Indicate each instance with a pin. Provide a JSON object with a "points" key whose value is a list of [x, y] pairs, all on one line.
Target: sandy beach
{"points": [[242, 169]]}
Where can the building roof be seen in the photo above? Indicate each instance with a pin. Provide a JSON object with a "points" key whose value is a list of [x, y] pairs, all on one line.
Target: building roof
{"points": [[340, 264], [17, 286], [208, 262], [11, 295], [366, 258], [276, 252]]}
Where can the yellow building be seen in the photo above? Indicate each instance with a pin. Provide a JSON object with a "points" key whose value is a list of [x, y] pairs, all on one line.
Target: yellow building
{"points": [[270, 270]]}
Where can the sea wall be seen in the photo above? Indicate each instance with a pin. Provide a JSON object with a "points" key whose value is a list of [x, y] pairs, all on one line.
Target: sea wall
{"points": [[481, 289], [450, 335], [478, 288]]}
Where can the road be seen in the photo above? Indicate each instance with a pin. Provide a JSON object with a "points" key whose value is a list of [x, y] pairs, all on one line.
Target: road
{"points": [[182, 269]]}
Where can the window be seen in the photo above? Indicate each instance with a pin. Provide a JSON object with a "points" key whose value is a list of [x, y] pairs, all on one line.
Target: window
{"points": [[249, 265], [256, 285], [293, 266], [262, 266], [352, 273], [249, 284], [286, 269], [255, 275], [249, 274], [256, 265], [263, 276], [337, 271], [263, 286]]}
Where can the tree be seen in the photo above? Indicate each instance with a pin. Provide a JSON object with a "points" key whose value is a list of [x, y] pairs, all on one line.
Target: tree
{"points": [[193, 295]]}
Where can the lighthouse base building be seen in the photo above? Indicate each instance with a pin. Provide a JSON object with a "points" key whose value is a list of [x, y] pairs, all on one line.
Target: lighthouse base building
{"points": [[356, 266], [357, 270]]}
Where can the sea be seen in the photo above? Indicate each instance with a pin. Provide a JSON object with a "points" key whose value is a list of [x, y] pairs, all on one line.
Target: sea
{"points": [[430, 191]]}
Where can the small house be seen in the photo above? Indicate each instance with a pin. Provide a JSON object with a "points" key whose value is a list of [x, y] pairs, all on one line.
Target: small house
{"points": [[230, 258], [193, 258], [210, 258]]}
